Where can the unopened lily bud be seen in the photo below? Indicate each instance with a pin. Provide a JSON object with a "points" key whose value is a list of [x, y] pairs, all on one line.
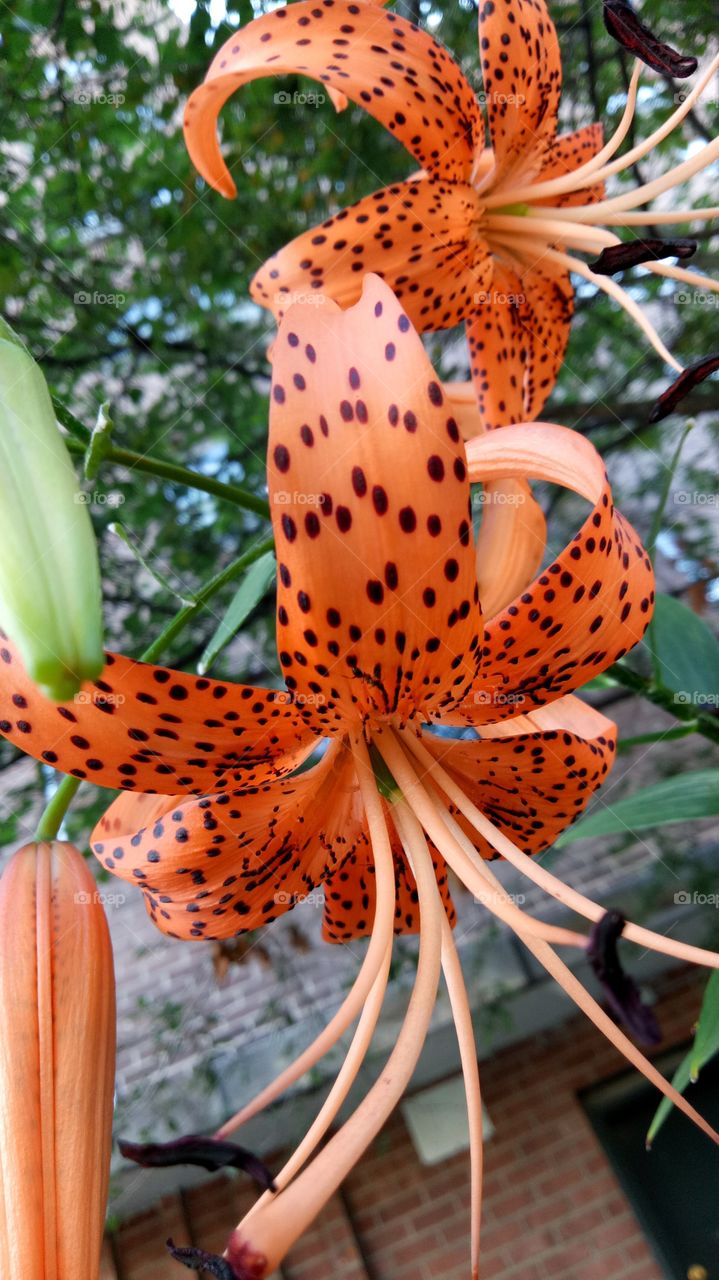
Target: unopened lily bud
{"points": [[57, 1064], [50, 598]]}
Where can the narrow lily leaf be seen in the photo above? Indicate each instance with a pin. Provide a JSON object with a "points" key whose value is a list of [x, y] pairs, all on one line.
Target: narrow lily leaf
{"points": [[99, 444], [251, 590], [706, 1040], [705, 1047], [693, 795], [686, 653], [50, 598], [133, 544]]}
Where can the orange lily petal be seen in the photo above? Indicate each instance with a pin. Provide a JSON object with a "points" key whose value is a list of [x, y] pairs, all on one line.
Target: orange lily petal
{"points": [[221, 865], [517, 341], [592, 604], [513, 532], [377, 597], [565, 154], [350, 895], [148, 728], [532, 776], [420, 236], [57, 1066], [401, 75], [522, 72]]}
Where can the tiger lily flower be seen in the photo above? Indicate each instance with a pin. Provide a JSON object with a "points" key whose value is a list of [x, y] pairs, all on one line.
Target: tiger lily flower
{"points": [[57, 1065], [482, 233], [380, 636]]}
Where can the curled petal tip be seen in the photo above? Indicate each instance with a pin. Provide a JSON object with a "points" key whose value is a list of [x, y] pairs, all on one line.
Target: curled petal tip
{"points": [[635, 36]]}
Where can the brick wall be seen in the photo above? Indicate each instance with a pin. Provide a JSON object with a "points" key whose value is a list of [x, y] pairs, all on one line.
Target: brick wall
{"points": [[551, 1206]]}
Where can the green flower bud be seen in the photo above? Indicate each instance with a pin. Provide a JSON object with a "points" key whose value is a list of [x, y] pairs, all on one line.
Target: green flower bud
{"points": [[50, 596]]}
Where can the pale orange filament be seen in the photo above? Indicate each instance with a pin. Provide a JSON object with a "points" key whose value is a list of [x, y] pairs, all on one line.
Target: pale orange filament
{"points": [[447, 836], [534, 871], [273, 1225], [373, 966], [410, 832]]}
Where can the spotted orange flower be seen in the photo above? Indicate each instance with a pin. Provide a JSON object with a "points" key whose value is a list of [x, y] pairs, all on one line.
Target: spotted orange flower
{"points": [[482, 233], [381, 637]]}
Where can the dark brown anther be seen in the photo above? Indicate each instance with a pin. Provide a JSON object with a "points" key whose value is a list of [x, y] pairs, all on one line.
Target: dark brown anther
{"points": [[632, 253], [621, 991], [687, 380], [633, 35], [209, 1153], [201, 1260]]}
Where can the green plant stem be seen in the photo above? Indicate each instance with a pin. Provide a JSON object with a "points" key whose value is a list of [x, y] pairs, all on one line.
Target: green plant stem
{"points": [[57, 806], [706, 725], [669, 735], [179, 475]]}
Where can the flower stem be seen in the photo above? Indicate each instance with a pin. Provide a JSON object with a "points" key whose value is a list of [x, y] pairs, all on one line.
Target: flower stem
{"points": [[702, 722], [134, 461], [57, 806]]}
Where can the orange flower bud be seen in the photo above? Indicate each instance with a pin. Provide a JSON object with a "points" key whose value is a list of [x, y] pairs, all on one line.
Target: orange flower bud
{"points": [[57, 1065]]}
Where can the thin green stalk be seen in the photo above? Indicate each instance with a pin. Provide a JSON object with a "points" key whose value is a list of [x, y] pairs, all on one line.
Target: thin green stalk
{"points": [[179, 475], [57, 806], [706, 725], [667, 735]]}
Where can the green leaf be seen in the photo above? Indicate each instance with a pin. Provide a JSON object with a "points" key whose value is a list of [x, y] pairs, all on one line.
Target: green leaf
{"points": [[253, 587], [692, 795], [686, 652], [705, 1047], [706, 1040]]}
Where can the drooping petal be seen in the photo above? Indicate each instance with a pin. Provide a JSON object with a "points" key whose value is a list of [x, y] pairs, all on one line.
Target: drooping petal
{"points": [[401, 75], [350, 895], [517, 340], [377, 597], [565, 154], [522, 73], [534, 775], [148, 728], [512, 534], [421, 236], [221, 865], [592, 603]]}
